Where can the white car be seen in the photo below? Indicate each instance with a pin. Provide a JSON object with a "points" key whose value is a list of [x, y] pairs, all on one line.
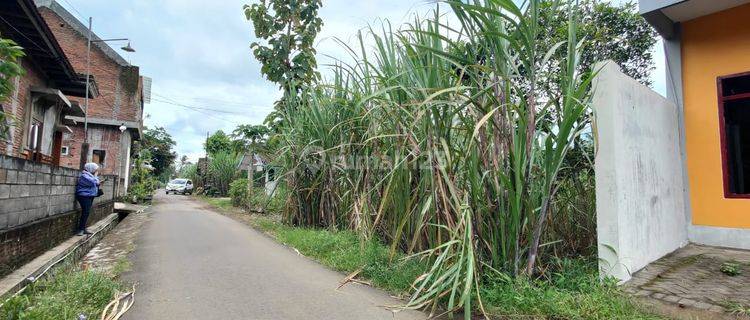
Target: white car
{"points": [[181, 186]]}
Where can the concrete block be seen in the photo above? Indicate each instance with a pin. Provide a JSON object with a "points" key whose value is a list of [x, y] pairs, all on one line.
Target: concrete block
{"points": [[30, 177], [34, 202], [11, 177], [40, 178], [10, 205], [14, 218], [6, 162], [46, 178], [44, 168], [4, 191], [3, 174], [19, 191], [4, 220], [23, 177]]}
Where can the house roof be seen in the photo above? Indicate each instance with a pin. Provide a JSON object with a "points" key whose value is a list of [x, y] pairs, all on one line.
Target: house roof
{"points": [[663, 15], [82, 29], [245, 161], [20, 21]]}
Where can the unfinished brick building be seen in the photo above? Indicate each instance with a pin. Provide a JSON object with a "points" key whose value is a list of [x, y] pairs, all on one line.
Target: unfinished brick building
{"points": [[118, 105]]}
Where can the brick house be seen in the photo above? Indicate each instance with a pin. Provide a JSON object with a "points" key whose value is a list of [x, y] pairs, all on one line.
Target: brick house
{"points": [[40, 103], [118, 105]]}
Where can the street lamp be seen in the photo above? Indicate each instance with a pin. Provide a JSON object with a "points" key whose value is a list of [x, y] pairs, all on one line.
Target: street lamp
{"points": [[127, 48]]}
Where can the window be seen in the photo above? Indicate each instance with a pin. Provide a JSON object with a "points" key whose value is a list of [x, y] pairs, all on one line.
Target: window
{"points": [[64, 150], [36, 127], [734, 114], [98, 157]]}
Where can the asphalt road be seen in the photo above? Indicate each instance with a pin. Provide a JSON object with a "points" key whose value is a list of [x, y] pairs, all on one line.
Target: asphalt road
{"points": [[192, 263]]}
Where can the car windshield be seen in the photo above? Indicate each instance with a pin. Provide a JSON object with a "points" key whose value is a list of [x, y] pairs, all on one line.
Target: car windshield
{"points": [[178, 181]]}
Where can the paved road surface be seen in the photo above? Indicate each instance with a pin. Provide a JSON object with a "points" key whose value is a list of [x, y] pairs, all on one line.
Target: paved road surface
{"points": [[191, 263]]}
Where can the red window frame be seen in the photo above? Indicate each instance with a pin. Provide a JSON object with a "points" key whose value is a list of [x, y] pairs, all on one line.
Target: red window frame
{"points": [[722, 133]]}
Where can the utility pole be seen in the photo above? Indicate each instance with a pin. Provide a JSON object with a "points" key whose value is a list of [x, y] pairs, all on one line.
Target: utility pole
{"points": [[85, 145]]}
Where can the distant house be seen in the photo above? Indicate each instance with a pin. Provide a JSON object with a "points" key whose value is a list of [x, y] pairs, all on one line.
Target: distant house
{"points": [[43, 102], [119, 104], [269, 172]]}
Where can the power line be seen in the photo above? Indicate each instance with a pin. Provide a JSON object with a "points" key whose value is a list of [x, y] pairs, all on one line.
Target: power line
{"points": [[236, 103], [201, 111], [80, 15], [194, 107], [24, 35]]}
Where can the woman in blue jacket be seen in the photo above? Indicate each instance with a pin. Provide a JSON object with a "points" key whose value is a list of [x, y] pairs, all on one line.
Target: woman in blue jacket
{"points": [[87, 189]]}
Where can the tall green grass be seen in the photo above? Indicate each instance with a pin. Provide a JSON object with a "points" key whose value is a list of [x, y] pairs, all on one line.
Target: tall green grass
{"points": [[222, 170], [445, 142]]}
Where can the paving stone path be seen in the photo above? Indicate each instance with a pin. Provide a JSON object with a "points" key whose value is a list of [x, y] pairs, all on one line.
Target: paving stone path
{"points": [[691, 277]]}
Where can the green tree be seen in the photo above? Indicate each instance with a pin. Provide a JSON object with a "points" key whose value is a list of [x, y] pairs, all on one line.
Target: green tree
{"points": [[10, 54], [610, 31], [252, 137], [287, 57], [218, 142], [160, 145]]}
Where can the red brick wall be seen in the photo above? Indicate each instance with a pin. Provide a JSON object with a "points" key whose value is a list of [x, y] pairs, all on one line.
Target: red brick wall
{"points": [[100, 138], [119, 96], [17, 105]]}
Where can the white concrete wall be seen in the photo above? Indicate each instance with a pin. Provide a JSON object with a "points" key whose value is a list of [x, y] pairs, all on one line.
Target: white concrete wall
{"points": [[639, 179]]}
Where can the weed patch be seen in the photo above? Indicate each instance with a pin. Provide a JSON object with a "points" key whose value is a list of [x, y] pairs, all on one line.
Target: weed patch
{"points": [[63, 295]]}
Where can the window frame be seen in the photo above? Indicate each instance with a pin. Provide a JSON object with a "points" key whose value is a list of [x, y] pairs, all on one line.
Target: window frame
{"points": [[102, 159], [722, 100]]}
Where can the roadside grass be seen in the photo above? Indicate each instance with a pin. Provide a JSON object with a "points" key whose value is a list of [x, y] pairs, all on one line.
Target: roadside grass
{"points": [[65, 294], [572, 290], [223, 203]]}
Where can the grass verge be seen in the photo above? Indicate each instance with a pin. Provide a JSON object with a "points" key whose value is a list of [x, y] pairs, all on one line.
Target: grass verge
{"points": [[65, 294], [573, 292]]}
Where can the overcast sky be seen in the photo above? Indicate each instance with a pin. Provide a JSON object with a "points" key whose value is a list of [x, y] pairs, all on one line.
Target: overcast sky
{"points": [[198, 54]]}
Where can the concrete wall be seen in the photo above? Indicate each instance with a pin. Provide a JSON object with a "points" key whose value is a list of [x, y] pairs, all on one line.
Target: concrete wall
{"points": [[38, 208], [639, 180]]}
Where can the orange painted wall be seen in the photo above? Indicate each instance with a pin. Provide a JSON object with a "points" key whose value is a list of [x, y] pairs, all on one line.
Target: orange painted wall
{"points": [[712, 46]]}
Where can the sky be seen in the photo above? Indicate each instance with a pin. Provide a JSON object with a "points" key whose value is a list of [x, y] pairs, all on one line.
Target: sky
{"points": [[198, 54]]}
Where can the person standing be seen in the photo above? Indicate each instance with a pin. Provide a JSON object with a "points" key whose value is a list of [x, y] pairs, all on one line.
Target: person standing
{"points": [[87, 189]]}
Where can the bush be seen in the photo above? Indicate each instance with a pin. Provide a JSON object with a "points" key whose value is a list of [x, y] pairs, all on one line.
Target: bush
{"points": [[238, 193], [258, 201]]}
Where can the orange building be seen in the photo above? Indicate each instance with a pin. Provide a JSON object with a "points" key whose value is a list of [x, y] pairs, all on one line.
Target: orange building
{"points": [[707, 47]]}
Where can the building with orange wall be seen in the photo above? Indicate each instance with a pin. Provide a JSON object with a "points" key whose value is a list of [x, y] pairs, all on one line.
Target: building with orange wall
{"points": [[707, 48]]}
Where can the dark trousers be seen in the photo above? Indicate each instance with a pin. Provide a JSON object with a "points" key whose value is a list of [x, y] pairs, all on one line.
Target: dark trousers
{"points": [[86, 203]]}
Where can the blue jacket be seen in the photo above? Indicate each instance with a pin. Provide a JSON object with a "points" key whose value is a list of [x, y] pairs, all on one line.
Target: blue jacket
{"points": [[87, 185]]}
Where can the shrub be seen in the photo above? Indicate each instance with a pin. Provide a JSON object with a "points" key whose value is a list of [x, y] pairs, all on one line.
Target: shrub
{"points": [[238, 193]]}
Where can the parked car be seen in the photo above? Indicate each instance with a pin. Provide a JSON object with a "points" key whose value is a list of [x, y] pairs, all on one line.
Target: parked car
{"points": [[181, 186]]}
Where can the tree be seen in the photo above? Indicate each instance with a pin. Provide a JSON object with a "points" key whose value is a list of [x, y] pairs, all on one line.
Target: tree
{"points": [[160, 145], [611, 31], [252, 137], [218, 142], [10, 53], [287, 57]]}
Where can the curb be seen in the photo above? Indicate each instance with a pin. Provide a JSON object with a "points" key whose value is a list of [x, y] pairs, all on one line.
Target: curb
{"points": [[67, 251]]}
